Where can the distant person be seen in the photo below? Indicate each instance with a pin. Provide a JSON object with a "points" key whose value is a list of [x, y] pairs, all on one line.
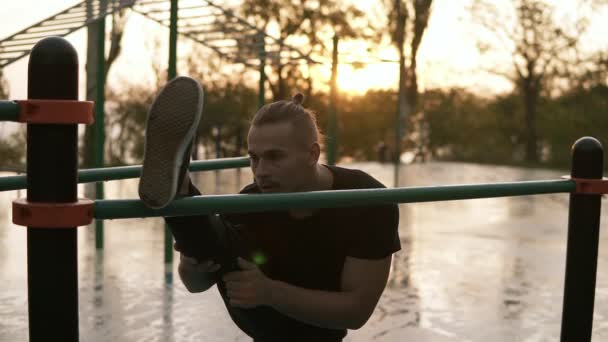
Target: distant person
{"points": [[295, 275], [382, 152]]}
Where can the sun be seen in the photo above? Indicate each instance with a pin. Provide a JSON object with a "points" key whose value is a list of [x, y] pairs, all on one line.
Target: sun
{"points": [[371, 76]]}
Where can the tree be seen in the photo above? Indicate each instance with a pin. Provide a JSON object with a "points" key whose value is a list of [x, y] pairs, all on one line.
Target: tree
{"points": [[12, 151], [406, 34], [544, 52], [126, 119], [315, 21], [401, 27], [118, 23]]}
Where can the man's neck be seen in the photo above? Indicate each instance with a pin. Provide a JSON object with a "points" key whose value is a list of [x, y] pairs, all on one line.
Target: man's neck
{"points": [[323, 179]]}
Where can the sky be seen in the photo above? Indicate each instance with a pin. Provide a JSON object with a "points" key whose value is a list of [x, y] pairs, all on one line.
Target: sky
{"points": [[448, 55]]}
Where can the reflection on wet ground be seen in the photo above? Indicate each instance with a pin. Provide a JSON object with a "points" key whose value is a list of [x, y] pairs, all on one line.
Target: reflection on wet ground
{"points": [[477, 270]]}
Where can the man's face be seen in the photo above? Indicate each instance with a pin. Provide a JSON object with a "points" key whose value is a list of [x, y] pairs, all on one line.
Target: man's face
{"points": [[279, 160]]}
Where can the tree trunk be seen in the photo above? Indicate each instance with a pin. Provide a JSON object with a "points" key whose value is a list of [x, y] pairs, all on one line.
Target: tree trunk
{"points": [[91, 77], [91, 90], [530, 107], [280, 95], [421, 19], [403, 106]]}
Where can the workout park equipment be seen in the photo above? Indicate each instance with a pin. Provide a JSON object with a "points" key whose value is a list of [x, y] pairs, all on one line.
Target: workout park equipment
{"points": [[52, 210]]}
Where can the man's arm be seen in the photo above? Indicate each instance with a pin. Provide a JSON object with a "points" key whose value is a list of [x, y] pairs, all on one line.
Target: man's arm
{"points": [[362, 283], [197, 275]]}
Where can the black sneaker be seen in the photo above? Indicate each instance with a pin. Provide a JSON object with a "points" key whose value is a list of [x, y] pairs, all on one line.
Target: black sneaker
{"points": [[172, 122]]}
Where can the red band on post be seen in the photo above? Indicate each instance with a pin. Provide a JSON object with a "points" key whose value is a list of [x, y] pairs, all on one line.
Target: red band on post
{"points": [[55, 112], [52, 215], [590, 186]]}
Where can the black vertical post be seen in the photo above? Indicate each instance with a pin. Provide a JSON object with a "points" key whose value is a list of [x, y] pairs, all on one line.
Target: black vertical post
{"points": [[332, 124], [51, 177], [583, 238]]}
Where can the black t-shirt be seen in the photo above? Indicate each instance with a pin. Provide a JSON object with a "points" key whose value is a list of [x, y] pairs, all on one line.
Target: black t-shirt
{"points": [[310, 253]]}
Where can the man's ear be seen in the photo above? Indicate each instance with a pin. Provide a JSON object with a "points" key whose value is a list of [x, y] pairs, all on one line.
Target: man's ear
{"points": [[315, 153]]}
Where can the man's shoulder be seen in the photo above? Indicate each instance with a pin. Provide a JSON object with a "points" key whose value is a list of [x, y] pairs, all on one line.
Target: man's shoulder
{"points": [[347, 178], [250, 189]]}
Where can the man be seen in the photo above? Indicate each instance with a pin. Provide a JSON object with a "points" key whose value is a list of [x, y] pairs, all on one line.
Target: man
{"points": [[296, 275]]}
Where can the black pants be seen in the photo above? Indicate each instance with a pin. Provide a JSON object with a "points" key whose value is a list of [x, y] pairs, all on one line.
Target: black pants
{"points": [[208, 237]]}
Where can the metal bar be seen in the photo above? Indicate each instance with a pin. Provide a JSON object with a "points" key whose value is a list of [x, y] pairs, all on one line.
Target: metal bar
{"points": [[44, 34], [53, 24], [99, 126], [63, 21], [244, 22], [202, 42], [262, 80], [9, 111], [126, 172], [192, 7], [165, 10], [70, 16], [116, 209], [14, 49], [19, 42], [583, 240], [220, 52], [332, 127], [148, 2], [112, 9], [172, 73], [11, 54], [205, 43], [201, 32], [199, 16], [4, 62], [41, 21], [94, 6], [52, 152], [218, 39], [173, 41], [166, 21], [206, 26]]}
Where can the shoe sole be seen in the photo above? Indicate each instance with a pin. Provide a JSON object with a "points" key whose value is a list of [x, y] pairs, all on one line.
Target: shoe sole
{"points": [[172, 122]]}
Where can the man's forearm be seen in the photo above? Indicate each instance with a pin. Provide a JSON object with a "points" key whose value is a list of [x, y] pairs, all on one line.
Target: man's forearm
{"points": [[333, 310]]}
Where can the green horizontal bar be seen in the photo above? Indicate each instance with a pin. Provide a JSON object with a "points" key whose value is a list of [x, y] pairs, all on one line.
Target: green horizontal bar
{"points": [[115, 209], [124, 172], [9, 111]]}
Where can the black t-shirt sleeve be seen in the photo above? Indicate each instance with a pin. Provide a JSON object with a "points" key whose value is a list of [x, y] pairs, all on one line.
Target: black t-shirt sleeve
{"points": [[373, 232]]}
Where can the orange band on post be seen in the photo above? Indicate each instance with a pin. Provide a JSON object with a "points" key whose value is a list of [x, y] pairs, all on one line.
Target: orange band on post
{"points": [[55, 111], [590, 186], [52, 215]]}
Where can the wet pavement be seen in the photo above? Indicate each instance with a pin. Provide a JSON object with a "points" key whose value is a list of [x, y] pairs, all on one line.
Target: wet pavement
{"points": [[475, 270]]}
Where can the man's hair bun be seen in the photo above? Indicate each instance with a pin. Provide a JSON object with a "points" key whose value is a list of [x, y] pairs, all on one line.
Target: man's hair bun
{"points": [[298, 99]]}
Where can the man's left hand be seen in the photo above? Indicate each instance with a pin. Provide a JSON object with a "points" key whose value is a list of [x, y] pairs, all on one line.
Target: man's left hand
{"points": [[249, 287]]}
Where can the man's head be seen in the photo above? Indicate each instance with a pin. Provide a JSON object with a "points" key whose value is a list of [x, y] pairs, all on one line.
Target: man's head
{"points": [[284, 146]]}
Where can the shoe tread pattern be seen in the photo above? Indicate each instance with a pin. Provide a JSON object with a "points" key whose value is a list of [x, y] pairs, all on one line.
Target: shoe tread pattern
{"points": [[172, 121]]}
